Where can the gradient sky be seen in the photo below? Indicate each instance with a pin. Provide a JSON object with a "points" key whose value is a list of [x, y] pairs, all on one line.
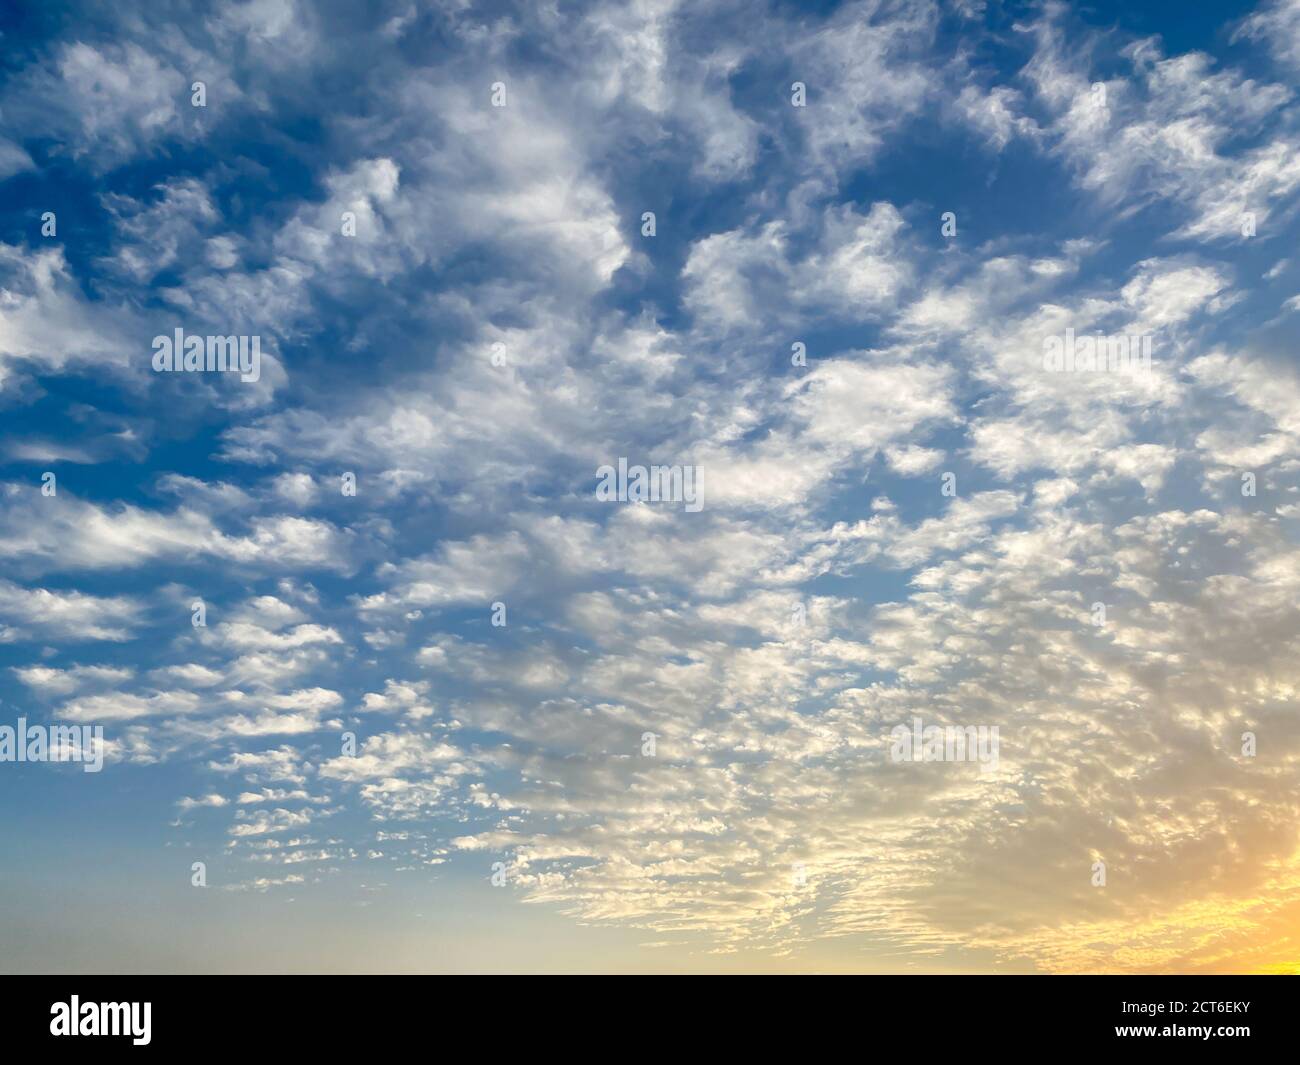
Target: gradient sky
{"points": [[497, 329]]}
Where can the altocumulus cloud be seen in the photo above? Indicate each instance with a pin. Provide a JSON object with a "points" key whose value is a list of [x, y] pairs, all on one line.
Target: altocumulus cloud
{"points": [[372, 615]]}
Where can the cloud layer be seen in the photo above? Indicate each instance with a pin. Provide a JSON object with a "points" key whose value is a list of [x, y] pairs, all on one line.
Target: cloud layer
{"points": [[428, 649]]}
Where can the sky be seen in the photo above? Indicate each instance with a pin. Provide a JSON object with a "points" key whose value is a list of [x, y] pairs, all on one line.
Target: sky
{"points": [[387, 682]]}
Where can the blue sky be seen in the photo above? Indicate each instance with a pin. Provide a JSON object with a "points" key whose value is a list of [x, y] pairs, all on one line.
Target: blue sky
{"points": [[458, 305]]}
